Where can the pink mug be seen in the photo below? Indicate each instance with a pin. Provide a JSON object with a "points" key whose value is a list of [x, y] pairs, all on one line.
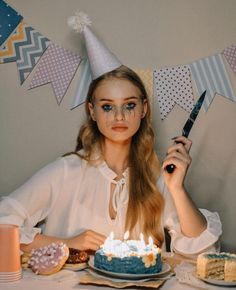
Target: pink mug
{"points": [[9, 249]]}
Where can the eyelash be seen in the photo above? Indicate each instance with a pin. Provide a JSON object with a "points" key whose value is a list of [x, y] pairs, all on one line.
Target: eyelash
{"points": [[129, 106]]}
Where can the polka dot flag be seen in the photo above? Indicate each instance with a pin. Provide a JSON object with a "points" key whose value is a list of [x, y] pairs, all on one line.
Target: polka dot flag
{"points": [[57, 66], [9, 20], [230, 55], [173, 86]]}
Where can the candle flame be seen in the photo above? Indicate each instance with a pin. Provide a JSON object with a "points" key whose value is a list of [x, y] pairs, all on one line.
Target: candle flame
{"points": [[111, 236], [141, 237], [126, 235]]}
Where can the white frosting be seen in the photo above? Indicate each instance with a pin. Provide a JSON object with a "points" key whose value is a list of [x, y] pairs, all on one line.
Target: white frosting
{"points": [[128, 248]]}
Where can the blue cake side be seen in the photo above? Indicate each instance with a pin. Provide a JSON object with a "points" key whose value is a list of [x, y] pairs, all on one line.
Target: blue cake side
{"points": [[129, 265]]}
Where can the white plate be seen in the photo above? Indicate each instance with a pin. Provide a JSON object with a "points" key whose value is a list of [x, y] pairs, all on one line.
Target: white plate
{"points": [[219, 282], [165, 270], [75, 267]]}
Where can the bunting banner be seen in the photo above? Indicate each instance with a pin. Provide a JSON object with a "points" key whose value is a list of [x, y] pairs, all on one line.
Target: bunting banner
{"points": [[9, 20], [146, 76], [230, 55], [83, 84], [56, 66], [25, 46], [210, 75], [173, 86]]}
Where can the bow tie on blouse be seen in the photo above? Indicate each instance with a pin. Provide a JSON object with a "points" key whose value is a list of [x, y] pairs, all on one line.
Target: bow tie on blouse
{"points": [[120, 194]]}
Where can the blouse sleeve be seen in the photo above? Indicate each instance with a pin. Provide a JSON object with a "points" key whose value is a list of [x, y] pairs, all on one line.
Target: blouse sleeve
{"points": [[206, 241], [32, 202]]}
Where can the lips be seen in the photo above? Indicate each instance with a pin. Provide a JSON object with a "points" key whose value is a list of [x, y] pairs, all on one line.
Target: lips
{"points": [[119, 128]]}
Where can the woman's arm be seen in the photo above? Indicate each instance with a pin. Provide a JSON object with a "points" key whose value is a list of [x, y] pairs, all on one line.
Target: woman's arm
{"points": [[88, 240], [192, 221]]}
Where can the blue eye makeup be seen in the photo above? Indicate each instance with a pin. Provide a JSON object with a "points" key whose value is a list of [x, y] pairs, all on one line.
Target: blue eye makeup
{"points": [[130, 106], [107, 108]]}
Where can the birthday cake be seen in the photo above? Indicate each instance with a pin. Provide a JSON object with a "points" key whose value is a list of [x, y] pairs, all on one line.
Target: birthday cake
{"points": [[219, 266], [130, 257]]}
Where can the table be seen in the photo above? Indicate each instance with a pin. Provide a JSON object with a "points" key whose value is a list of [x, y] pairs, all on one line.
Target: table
{"points": [[68, 280]]}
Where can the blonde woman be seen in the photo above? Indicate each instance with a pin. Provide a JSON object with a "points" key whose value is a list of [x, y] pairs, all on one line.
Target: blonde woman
{"points": [[113, 181]]}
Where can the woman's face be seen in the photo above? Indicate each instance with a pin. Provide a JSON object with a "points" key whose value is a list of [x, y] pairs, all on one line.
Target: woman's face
{"points": [[117, 108]]}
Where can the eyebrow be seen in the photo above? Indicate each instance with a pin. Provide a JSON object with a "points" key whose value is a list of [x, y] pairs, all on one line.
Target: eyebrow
{"points": [[112, 100]]}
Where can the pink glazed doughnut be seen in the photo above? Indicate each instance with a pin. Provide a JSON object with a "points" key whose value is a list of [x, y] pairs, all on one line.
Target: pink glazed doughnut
{"points": [[49, 259]]}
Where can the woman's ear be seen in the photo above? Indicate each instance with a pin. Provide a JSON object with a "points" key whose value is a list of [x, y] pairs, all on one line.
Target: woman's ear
{"points": [[144, 111], [91, 111]]}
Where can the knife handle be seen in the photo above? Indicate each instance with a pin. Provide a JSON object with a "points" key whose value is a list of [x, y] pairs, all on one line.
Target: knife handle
{"points": [[171, 167]]}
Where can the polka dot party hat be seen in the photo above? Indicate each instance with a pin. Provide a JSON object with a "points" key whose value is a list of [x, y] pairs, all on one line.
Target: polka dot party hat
{"points": [[101, 59]]}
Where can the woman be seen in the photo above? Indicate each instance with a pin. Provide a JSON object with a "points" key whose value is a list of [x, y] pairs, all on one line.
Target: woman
{"points": [[112, 182]]}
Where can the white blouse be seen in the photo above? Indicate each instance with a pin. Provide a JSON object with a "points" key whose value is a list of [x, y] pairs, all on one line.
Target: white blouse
{"points": [[70, 196]]}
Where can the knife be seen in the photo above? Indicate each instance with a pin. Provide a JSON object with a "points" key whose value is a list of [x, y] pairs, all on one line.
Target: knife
{"points": [[188, 125]]}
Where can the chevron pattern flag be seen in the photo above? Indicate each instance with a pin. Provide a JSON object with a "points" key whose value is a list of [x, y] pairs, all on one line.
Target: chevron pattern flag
{"points": [[173, 86], [230, 55], [210, 75], [57, 66], [9, 20], [25, 46]]}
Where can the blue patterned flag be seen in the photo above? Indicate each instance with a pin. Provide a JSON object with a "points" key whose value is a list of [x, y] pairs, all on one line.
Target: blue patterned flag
{"points": [[210, 75], [9, 20]]}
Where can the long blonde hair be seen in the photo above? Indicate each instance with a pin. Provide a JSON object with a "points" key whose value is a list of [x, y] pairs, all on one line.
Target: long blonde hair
{"points": [[145, 204]]}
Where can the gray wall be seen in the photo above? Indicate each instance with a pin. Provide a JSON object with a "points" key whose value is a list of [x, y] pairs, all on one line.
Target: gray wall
{"points": [[142, 33]]}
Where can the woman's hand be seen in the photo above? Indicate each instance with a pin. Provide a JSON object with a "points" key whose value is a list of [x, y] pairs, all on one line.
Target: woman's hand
{"points": [[177, 154], [88, 240]]}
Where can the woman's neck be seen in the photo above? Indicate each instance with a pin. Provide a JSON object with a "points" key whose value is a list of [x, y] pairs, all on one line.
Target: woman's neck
{"points": [[116, 156]]}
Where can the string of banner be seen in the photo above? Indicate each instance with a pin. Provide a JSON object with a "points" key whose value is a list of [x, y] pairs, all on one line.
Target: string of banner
{"points": [[23, 44]]}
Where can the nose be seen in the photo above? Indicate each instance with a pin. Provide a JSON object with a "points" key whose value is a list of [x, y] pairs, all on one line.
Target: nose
{"points": [[119, 113]]}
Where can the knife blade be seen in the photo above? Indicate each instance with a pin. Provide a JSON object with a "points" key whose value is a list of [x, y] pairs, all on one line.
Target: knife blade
{"points": [[188, 125]]}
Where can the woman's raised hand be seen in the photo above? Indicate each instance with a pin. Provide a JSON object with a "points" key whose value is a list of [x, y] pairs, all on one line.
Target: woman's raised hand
{"points": [[88, 240], [177, 154]]}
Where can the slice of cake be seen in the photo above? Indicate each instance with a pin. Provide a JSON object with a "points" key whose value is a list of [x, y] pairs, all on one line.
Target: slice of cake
{"points": [[220, 266], [130, 257]]}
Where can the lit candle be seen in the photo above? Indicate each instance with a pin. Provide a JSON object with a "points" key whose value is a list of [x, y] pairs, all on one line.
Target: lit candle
{"points": [[108, 242], [150, 242], [142, 243], [126, 235], [111, 236]]}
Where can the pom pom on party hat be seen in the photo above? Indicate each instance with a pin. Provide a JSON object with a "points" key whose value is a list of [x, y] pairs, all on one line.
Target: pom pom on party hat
{"points": [[101, 59]]}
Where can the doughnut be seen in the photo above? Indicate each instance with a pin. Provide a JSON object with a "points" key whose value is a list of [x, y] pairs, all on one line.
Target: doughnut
{"points": [[76, 256], [25, 257], [49, 259], [77, 260]]}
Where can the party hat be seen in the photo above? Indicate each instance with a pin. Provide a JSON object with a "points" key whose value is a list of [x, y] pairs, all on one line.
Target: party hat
{"points": [[101, 59]]}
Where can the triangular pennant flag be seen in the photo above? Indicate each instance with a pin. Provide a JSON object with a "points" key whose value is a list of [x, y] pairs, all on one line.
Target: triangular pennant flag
{"points": [[7, 51], [57, 66], [146, 76], [173, 86], [230, 55], [25, 46], [9, 20], [83, 84], [210, 75]]}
